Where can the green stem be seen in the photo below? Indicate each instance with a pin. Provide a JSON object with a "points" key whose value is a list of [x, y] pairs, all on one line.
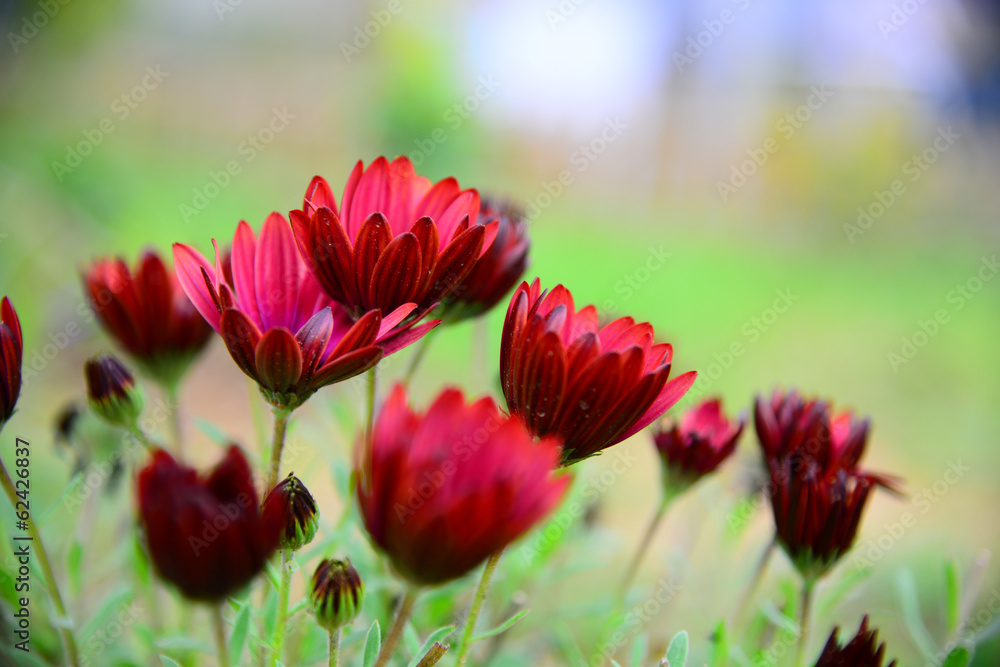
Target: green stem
{"points": [[281, 416], [219, 628], [806, 603], [334, 647], [284, 590], [176, 434], [141, 437], [418, 358], [69, 644], [640, 552], [396, 631], [758, 576], [477, 605]]}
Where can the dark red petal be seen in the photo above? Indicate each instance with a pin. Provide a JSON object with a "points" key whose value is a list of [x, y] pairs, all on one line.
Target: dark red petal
{"points": [[426, 233], [330, 254], [279, 360], [241, 337], [544, 384], [395, 277], [361, 334], [455, 263], [347, 366], [372, 239], [313, 338]]}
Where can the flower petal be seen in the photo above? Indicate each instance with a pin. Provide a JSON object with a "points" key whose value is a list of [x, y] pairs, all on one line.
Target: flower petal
{"points": [[279, 360]]}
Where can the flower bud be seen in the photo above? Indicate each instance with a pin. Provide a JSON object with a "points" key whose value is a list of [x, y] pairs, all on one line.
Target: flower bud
{"points": [[295, 509], [336, 594], [112, 391]]}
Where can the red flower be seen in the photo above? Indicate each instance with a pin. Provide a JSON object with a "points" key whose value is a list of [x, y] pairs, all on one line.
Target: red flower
{"points": [[279, 326], [11, 352], [439, 492], [696, 446], [862, 651], [148, 314], [498, 270], [395, 238], [591, 386], [205, 535]]}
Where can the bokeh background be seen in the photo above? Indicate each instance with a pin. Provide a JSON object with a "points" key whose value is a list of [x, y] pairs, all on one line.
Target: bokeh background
{"points": [[794, 194]]}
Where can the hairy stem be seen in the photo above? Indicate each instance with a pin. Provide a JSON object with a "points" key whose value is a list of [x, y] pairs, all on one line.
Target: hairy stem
{"points": [[284, 591], [334, 647], [477, 605], [34, 536], [281, 417], [396, 631]]}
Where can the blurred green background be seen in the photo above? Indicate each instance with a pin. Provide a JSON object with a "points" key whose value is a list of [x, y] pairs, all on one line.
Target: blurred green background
{"points": [[691, 195]]}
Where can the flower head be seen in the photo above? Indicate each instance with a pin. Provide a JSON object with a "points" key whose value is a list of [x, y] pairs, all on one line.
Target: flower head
{"points": [[336, 594], [566, 376], [147, 313], [205, 534], [697, 445], [818, 489], [441, 491], [281, 329], [295, 508], [11, 352], [396, 238], [112, 392], [500, 268], [862, 651]]}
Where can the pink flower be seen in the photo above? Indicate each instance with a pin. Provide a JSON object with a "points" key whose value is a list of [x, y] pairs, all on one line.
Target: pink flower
{"points": [[395, 239], [279, 326]]}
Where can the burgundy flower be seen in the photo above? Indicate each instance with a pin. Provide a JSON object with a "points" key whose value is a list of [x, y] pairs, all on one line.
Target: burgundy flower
{"points": [[862, 651], [591, 386], [696, 446], [789, 424], [11, 352], [112, 392], [205, 534], [395, 239], [498, 270], [439, 492], [148, 314], [295, 509], [279, 326]]}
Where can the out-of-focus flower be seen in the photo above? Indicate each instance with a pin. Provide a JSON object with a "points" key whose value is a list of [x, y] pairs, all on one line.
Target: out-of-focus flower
{"points": [[11, 352], [281, 329], [295, 509], [442, 491], [863, 650], [112, 392], [148, 314], [697, 445], [498, 270], [206, 535], [395, 239], [591, 386], [336, 594]]}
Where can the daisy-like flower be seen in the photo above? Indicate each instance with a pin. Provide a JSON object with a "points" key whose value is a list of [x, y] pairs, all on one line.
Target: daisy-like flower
{"points": [[591, 386], [11, 353], [147, 312], [863, 650], [698, 444], [281, 329], [396, 238]]}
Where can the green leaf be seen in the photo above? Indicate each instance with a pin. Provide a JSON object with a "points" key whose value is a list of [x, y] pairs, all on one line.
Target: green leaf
{"points": [[168, 662], [503, 627], [411, 640], [239, 636], [911, 614], [677, 652], [373, 644], [953, 596], [720, 649], [74, 559], [71, 486], [639, 647], [213, 432], [960, 657]]}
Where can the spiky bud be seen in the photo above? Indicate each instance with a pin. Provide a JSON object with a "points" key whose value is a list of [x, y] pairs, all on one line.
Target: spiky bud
{"points": [[112, 392], [336, 594], [295, 508]]}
